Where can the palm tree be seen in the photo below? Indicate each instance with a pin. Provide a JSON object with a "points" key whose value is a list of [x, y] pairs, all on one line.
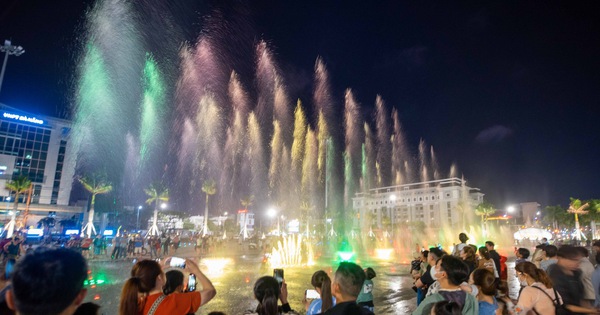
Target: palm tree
{"points": [[485, 209], [95, 184], [577, 208], [20, 185], [209, 188], [157, 193], [555, 214], [46, 223], [247, 201]]}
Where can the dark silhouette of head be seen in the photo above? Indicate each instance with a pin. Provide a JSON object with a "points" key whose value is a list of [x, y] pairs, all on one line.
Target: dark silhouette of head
{"points": [[349, 278], [48, 281], [266, 292]]}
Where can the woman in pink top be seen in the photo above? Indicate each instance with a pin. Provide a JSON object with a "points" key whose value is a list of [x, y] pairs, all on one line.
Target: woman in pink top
{"points": [[537, 296]]}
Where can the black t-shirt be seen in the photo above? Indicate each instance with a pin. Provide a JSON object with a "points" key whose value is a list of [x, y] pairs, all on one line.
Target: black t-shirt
{"points": [[426, 278], [496, 258], [569, 287]]}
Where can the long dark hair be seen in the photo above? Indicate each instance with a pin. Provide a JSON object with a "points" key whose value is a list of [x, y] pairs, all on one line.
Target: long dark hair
{"points": [[143, 280], [537, 274], [485, 280], [266, 291], [321, 280], [174, 280], [483, 252]]}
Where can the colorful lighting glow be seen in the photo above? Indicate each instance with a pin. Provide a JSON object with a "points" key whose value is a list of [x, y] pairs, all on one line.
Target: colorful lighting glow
{"points": [[384, 253], [345, 256], [216, 266]]}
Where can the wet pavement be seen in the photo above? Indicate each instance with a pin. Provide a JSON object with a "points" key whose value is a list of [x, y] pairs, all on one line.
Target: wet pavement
{"points": [[234, 270]]}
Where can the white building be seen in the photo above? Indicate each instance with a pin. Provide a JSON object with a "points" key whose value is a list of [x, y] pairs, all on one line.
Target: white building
{"points": [[36, 146], [436, 203]]}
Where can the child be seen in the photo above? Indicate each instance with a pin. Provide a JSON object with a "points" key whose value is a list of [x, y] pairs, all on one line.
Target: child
{"points": [[365, 298], [446, 308], [522, 255], [174, 283]]}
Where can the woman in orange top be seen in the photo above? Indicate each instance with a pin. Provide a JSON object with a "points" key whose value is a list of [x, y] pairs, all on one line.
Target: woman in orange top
{"points": [[144, 288]]}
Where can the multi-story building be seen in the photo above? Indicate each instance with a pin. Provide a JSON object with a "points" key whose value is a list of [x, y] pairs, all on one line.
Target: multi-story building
{"points": [[36, 146], [436, 203]]}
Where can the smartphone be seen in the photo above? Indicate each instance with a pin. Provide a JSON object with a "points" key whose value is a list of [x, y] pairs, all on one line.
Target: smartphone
{"points": [[177, 262], [312, 294], [191, 287], [278, 275]]}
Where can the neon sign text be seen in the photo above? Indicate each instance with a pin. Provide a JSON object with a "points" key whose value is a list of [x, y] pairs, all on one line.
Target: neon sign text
{"points": [[23, 118]]}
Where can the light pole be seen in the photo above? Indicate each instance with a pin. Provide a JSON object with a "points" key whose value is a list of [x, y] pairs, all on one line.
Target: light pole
{"points": [[9, 49], [137, 222]]}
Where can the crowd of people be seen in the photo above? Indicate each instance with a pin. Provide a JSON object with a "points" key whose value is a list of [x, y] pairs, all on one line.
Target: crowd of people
{"points": [[473, 280], [51, 281], [469, 280]]}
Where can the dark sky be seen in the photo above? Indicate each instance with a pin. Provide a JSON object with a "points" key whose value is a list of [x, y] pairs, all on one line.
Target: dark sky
{"points": [[509, 90]]}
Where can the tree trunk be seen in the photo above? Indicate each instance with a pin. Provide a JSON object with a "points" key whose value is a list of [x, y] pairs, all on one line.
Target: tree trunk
{"points": [[205, 228]]}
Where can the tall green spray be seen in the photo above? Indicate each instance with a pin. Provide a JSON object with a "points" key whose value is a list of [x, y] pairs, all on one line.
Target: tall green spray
{"points": [[152, 112]]}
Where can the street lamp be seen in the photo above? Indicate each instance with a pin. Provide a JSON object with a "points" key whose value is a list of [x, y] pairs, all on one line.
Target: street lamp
{"points": [[9, 49], [163, 206], [137, 222]]}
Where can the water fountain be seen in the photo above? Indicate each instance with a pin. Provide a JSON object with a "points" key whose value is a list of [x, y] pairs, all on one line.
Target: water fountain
{"points": [[189, 117]]}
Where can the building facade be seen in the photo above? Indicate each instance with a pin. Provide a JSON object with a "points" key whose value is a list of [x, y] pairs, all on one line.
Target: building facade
{"points": [[436, 203], [35, 146]]}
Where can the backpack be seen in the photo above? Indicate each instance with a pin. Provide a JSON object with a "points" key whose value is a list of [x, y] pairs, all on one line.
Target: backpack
{"points": [[559, 307]]}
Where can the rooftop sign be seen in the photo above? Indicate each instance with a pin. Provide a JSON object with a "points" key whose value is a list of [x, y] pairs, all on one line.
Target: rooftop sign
{"points": [[23, 118]]}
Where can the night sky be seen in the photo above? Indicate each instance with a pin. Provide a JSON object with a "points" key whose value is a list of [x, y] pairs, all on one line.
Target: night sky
{"points": [[509, 90]]}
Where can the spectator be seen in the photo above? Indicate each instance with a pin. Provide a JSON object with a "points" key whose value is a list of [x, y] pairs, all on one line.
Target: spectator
{"points": [[549, 257], [596, 281], [446, 308], [98, 245], [485, 282], [538, 254], [12, 251], [86, 243], [450, 273], [537, 296], [565, 276], [116, 247], [322, 284], [468, 257], [587, 269], [522, 255], [87, 309], [486, 261], [365, 298], [147, 281], [494, 256], [267, 291], [428, 278], [166, 245], [174, 282], [346, 287], [48, 281], [463, 238]]}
